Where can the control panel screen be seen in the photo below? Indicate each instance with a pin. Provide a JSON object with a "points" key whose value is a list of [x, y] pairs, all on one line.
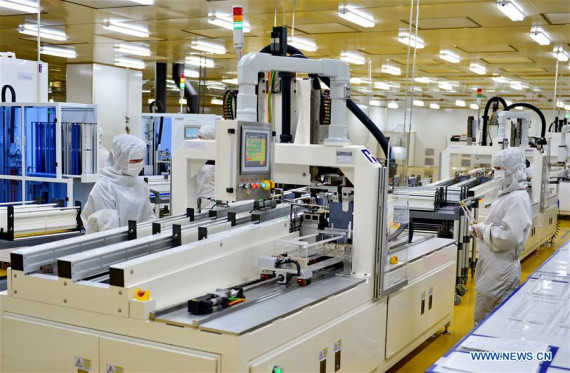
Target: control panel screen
{"points": [[191, 132], [255, 150]]}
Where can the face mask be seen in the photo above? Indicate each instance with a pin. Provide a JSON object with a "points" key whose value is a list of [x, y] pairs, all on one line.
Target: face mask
{"points": [[134, 169]]}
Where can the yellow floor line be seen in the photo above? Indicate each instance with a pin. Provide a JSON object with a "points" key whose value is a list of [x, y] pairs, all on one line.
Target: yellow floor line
{"points": [[426, 354]]}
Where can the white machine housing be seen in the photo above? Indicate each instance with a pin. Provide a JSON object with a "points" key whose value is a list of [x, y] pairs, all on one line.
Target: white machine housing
{"points": [[23, 76]]}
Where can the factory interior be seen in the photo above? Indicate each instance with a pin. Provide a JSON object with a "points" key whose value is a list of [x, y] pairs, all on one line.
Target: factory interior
{"points": [[284, 186]]}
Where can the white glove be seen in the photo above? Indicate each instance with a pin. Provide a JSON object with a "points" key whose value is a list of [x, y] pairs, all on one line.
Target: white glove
{"points": [[477, 230]]}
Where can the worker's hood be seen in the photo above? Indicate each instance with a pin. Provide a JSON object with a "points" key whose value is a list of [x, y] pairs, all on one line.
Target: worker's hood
{"points": [[126, 148]]}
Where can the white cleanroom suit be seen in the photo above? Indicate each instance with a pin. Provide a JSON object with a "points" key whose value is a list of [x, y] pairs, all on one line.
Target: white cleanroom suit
{"points": [[502, 236], [206, 178], [119, 196], [102, 152]]}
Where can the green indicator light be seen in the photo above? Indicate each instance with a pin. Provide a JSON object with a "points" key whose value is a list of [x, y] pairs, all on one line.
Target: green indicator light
{"points": [[238, 25], [277, 370]]}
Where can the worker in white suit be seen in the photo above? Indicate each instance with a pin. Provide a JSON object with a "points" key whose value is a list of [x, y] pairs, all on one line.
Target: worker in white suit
{"points": [[119, 195], [502, 236], [205, 180], [102, 152]]}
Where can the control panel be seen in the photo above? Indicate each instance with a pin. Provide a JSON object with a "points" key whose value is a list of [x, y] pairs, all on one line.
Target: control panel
{"points": [[254, 176]]}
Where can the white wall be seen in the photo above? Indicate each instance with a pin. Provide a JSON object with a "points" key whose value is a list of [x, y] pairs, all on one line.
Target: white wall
{"points": [[117, 92]]}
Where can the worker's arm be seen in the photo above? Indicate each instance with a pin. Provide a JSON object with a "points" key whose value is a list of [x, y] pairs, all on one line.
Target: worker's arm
{"points": [[100, 205], [510, 233]]}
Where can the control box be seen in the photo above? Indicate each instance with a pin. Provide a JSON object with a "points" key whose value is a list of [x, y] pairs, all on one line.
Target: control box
{"points": [[243, 165]]}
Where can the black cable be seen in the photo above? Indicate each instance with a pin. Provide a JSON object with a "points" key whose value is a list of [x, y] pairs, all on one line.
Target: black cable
{"points": [[159, 107], [287, 261], [536, 110], [486, 116], [12, 91]]}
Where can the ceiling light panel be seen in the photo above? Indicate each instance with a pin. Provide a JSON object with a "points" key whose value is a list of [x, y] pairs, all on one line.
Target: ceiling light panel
{"points": [[208, 47], [25, 6], [126, 28], [356, 16], [460, 103], [511, 10], [540, 36], [133, 49], [199, 61], [478, 69], [392, 105], [45, 32], [391, 69], [560, 54], [418, 103], [226, 21], [302, 44], [58, 51], [434, 106], [406, 38], [131, 63], [449, 56], [352, 58], [191, 74]]}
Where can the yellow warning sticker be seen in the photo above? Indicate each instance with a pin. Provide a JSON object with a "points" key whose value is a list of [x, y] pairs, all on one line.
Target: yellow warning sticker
{"points": [[82, 364], [113, 369]]}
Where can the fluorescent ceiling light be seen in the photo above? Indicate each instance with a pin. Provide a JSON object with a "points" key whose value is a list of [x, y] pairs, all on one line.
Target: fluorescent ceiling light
{"points": [[382, 85], [357, 81], [510, 9], [560, 103], [478, 69], [509, 103], [417, 89], [392, 105], [374, 102], [45, 32], [449, 56], [517, 85], [143, 2], [539, 36], [418, 103], [352, 58], [391, 69], [233, 81], [422, 79], [560, 54], [537, 89], [446, 86], [207, 47], [126, 28], [131, 63], [303, 44], [434, 106], [191, 74], [146, 91], [134, 49], [500, 79], [519, 108], [199, 61], [216, 85], [460, 103], [356, 16], [58, 52], [566, 107], [216, 101], [26, 6], [473, 106], [406, 38], [226, 22]]}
